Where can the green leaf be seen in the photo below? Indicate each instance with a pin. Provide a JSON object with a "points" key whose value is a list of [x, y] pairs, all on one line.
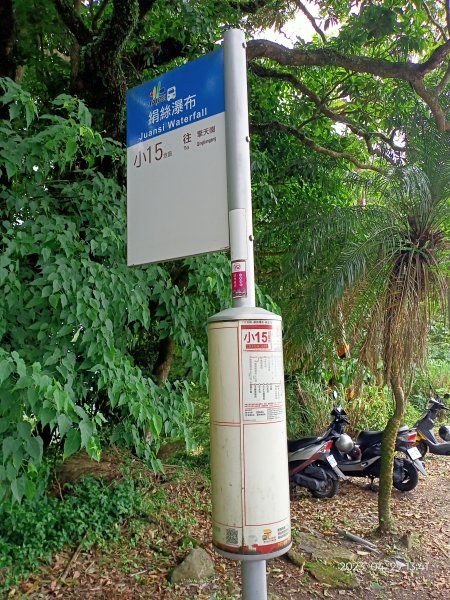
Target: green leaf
{"points": [[47, 415], [157, 424], [54, 299], [30, 489], [80, 412], [24, 430], [5, 424], [46, 253], [11, 471], [3, 275], [86, 429], [18, 457], [20, 364], [75, 337], [84, 116], [93, 448], [71, 150], [6, 369], [35, 447], [10, 447], [18, 487], [3, 490], [60, 398], [23, 383], [72, 443], [30, 112], [14, 111], [64, 424]]}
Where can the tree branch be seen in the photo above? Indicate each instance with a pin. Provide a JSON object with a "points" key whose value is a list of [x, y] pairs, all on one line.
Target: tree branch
{"points": [[409, 71], [354, 127], [73, 22], [433, 21], [432, 101], [447, 14], [311, 19], [161, 52], [276, 125], [56, 52], [436, 59], [444, 81], [99, 13], [117, 30], [322, 57]]}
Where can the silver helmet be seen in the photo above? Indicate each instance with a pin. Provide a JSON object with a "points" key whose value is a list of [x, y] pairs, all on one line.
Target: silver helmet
{"points": [[344, 443], [444, 433]]}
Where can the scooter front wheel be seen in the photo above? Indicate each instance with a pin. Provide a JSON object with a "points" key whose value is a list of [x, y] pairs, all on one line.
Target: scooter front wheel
{"points": [[410, 477]]}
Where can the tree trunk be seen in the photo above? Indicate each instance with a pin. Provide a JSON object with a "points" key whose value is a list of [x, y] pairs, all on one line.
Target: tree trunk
{"points": [[164, 361], [75, 51], [8, 40], [385, 520], [448, 302], [161, 369], [380, 378], [100, 79]]}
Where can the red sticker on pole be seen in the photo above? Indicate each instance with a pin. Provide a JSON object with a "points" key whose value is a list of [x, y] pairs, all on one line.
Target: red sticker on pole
{"points": [[238, 279]]}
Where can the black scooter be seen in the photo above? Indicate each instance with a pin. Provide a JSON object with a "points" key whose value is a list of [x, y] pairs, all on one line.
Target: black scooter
{"points": [[426, 439], [364, 460], [312, 466]]}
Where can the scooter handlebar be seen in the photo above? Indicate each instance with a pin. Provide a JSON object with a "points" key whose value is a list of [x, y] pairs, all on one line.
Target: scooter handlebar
{"points": [[438, 405]]}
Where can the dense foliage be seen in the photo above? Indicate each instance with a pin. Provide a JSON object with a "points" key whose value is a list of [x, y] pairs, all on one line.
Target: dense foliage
{"points": [[72, 314]]}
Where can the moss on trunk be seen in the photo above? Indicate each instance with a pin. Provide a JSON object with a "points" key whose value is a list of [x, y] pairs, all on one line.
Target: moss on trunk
{"points": [[385, 519]]}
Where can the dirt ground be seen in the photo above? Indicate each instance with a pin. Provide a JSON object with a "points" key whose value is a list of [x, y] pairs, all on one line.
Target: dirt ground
{"points": [[414, 564]]}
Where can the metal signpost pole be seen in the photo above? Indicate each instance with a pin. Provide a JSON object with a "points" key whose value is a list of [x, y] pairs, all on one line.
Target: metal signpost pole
{"points": [[238, 163], [254, 584]]}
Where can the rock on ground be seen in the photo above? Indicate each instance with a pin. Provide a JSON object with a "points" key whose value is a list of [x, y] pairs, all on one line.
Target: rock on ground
{"points": [[195, 567]]}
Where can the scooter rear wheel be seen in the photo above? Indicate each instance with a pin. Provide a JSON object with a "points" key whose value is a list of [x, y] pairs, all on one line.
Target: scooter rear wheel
{"points": [[410, 477], [330, 489]]}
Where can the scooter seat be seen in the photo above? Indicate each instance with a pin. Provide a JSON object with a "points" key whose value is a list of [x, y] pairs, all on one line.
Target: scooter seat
{"points": [[368, 438], [294, 445]]}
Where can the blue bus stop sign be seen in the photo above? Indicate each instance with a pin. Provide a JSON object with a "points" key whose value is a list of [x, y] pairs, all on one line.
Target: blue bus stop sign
{"points": [[176, 164]]}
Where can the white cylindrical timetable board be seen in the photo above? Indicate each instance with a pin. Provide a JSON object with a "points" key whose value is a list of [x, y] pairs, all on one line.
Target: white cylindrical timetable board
{"points": [[250, 486]]}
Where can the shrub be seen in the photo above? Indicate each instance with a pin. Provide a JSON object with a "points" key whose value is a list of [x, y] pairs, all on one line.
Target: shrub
{"points": [[32, 531]]}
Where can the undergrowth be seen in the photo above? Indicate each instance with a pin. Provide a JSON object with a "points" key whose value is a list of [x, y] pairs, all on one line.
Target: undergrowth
{"points": [[309, 404], [92, 511]]}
